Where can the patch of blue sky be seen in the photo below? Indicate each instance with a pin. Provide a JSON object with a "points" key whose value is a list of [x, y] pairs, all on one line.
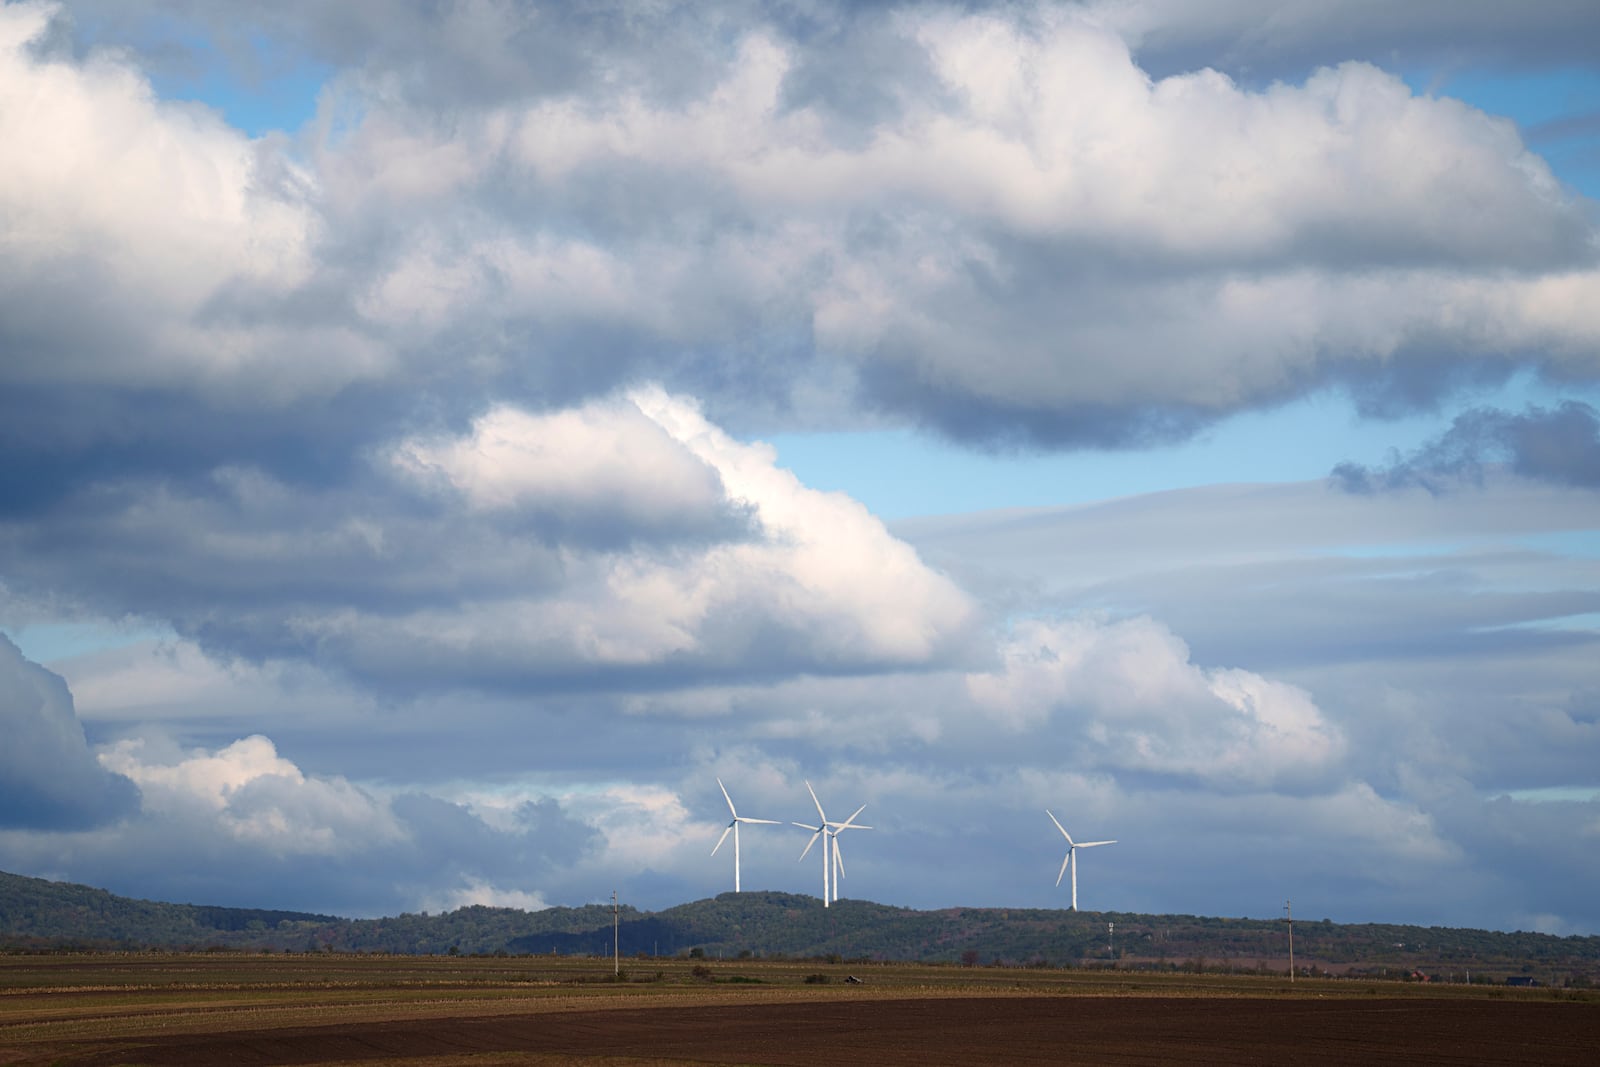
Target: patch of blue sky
{"points": [[1584, 622], [1581, 544], [1555, 794], [51, 642], [256, 98], [904, 473], [258, 84], [1570, 544]]}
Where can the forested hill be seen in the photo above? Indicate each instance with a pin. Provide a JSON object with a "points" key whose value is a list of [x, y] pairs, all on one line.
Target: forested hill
{"points": [[38, 914], [35, 910]]}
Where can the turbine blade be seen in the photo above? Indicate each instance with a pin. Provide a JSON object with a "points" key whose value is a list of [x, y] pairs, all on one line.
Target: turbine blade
{"points": [[838, 859], [1063, 873], [851, 819], [1063, 829], [818, 803], [1091, 844], [726, 797], [769, 822], [723, 838], [809, 843]]}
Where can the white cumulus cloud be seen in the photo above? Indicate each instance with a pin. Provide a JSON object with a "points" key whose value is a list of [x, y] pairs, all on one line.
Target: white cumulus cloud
{"points": [[184, 237], [812, 579], [1130, 697], [255, 795]]}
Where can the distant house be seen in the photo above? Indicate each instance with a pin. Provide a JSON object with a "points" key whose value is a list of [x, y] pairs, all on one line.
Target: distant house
{"points": [[1521, 979]]}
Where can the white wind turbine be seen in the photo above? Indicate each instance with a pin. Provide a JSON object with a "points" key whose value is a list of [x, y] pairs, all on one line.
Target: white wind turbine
{"points": [[829, 832], [1072, 852], [733, 828]]}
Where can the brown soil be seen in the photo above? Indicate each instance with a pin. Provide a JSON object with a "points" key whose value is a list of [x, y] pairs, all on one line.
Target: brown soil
{"points": [[984, 1030]]}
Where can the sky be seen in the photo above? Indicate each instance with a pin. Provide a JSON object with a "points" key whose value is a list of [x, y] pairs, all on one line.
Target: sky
{"points": [[438, 441]]}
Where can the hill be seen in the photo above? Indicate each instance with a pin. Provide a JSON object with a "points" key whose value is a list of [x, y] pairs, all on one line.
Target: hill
{"points": [[37, 914], [36, 911]]}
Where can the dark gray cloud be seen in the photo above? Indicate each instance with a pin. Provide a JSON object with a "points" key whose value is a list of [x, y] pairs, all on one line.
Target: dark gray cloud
{"points": [[1264, 39], [1559, 445], [466, 52], [894, 387], [49, 780], [1582, 126]]}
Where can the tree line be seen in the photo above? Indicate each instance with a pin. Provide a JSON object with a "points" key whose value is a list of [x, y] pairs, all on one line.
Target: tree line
{"points": [[41, 915]]}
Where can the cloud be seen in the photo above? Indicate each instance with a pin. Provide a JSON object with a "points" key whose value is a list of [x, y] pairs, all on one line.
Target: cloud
{"points": [[481, 894], [219, 824], [480, 53], [1361, 791], [1268, 39], [1559, 445], [255, 797], [189, 291], [624, 542], [1005, 241], [819, 586], [1452, 632], [595, 474], [1130, 700], [48, 778], [1030, 261], [173, 679]]}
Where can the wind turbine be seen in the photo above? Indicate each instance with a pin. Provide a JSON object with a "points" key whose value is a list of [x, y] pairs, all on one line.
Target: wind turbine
{"points": [[1072, 852], [829, 832], [733, 827]]}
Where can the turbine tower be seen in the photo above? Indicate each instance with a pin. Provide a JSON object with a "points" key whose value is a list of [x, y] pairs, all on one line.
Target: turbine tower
{"points": [[733, 827], [1072, 853], [829, 832]]}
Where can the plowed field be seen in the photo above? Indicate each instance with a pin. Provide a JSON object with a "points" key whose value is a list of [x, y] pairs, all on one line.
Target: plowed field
{"points": [[977, 1030], [235, 1009]]}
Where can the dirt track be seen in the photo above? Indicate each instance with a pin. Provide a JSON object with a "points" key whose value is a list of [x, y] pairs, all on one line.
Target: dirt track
{"points": [[1054, 1030]]}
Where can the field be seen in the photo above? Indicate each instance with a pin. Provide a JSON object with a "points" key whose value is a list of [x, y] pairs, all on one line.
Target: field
{"points": [[227, 1008]]}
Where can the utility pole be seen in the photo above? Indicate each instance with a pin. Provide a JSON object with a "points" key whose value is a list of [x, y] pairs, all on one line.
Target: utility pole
{"points": [[616, 937], [1111, 933], [1289, 913]]}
